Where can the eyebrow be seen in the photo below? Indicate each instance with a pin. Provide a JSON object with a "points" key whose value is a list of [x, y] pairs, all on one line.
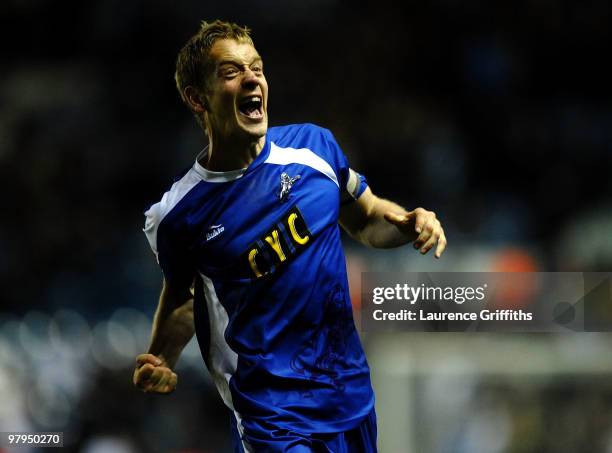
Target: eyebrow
{"points": [[237, 63]]}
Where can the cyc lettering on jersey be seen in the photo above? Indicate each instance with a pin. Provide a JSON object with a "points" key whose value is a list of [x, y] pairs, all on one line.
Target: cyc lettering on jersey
{"points": [[279, 244]]}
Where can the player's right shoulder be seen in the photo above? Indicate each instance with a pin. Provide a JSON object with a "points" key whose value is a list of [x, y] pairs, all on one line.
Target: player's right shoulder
{"points": [[157, 212]]}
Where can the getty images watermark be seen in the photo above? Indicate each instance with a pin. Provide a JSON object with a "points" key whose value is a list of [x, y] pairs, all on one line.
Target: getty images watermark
{"points": [[487, 301]]}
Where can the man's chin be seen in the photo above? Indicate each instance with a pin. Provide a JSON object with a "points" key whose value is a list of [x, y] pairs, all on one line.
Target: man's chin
{"points": [[255, 130]]}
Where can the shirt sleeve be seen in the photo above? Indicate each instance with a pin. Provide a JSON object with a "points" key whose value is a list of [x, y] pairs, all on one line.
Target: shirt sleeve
{"points": [[172, 256], [351, 183]]}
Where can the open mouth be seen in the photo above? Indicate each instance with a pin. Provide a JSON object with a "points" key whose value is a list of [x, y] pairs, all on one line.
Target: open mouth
{"points": [[252, 107]]}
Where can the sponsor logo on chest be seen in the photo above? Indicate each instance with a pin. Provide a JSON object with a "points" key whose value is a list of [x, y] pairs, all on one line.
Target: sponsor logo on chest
{"points": [[278, 245]]}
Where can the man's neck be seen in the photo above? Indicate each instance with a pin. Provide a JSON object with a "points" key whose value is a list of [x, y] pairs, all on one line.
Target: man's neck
{"points": [[227, 155]]}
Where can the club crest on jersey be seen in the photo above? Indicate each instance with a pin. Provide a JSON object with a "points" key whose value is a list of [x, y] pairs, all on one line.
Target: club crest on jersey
{"points": [[286, 184], [277, 246]]}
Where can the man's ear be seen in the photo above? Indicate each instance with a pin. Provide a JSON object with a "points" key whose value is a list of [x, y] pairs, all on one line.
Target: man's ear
{"points": [[196, 101]]}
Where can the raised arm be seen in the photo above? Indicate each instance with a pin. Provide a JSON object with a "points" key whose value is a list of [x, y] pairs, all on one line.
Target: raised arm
{"points": [[380, 223], [172, 329]]}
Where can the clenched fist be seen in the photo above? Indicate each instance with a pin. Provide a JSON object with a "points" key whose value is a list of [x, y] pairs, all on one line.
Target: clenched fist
{"points": [[151, 375]]}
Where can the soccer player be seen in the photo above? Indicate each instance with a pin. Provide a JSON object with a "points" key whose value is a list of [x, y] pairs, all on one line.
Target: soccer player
{"points": [[249, 245]]}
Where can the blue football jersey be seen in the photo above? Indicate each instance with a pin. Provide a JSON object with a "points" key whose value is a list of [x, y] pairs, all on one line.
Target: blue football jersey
{"points": [[272, 309]]}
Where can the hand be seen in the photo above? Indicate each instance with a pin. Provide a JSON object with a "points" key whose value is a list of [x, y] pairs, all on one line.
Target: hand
{"points": [[151, 375], [423, 223]]}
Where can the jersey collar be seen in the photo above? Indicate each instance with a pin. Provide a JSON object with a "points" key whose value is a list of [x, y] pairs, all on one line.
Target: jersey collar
{"points": [[225, 176]]}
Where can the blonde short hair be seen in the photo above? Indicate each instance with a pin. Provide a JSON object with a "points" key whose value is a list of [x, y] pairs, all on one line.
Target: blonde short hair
{"points": [[193, 65]]}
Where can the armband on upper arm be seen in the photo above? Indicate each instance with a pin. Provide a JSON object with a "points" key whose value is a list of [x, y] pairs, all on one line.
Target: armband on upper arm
{"points": [[351, 191]]}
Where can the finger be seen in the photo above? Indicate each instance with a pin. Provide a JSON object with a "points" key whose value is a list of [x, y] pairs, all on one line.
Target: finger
{"points": [[427, 231], [441, 245], [142, 375], [420, 222], [166, 383], [148, 358], [158, 374], [164, 377], [422, 218], [434, 229], [171, 385], [430, 243]]}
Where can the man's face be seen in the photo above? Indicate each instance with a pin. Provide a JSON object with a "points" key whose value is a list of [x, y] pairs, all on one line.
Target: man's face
{"points": [[237, 91]]}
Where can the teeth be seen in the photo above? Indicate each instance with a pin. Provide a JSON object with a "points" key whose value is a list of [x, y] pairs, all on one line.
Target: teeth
{"points": [[251, 99]]}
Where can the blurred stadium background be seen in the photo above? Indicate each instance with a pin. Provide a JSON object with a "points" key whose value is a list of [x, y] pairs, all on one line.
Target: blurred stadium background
{"points": [[496, 115]]}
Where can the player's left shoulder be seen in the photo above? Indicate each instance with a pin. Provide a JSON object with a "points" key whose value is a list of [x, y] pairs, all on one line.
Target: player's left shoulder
{"points": [[302, 135]]}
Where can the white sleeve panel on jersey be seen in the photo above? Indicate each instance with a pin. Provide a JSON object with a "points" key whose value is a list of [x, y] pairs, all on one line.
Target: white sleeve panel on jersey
{"points": [[152, 219], [304, 156], [156, 213]]}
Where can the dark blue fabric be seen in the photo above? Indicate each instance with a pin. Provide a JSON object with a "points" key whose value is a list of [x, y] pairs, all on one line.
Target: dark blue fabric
{"points": [[361, 439]]}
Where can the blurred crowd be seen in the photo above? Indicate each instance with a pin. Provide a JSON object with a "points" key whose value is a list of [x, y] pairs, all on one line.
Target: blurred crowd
{"points": [[60, 372], [496, 115]]}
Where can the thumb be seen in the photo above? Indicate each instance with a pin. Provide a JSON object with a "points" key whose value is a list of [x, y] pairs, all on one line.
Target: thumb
{"points": [[398, 219], [148, 358]]}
